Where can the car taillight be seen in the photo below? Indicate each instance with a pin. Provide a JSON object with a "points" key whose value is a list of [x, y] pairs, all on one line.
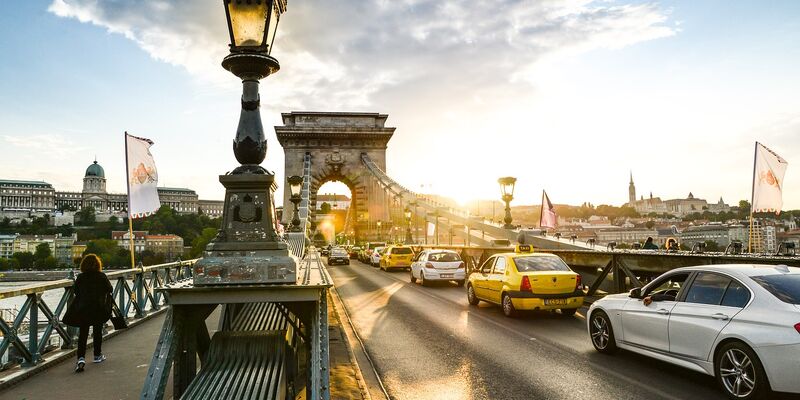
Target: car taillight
{"points": [[428, 265], [525, 285], [797, 327], [578, 282]]}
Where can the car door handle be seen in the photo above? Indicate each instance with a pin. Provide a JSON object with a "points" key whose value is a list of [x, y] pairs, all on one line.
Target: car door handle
{"points": [[720, 316], [663, 311]]}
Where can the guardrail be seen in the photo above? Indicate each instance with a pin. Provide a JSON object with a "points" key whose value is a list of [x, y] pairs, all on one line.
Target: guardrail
{"points": [[133, 293], [617, 271]]}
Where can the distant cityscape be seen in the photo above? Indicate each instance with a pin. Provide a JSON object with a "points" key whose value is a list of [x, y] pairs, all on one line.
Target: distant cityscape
{"points": [[22, 199], [22, 202]]}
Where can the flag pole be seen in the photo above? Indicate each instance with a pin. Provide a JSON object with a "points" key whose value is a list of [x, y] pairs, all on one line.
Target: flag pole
{"points": [[130, 217], [541, 211], [752, 196]]}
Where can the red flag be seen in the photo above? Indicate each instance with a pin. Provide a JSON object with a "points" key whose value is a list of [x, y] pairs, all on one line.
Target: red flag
{"points": [[548, 218]]}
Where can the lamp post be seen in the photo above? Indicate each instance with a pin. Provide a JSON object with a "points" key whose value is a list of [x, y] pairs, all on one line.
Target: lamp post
{"points": [[295, 186], [407, 214], [414, 221], [379, 229], [247, 249], [507, 190]]}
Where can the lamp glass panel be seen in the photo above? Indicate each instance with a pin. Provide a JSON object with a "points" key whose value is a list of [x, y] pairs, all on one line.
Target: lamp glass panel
{"points": [[295, 188], [274, 18], [248, 22]]}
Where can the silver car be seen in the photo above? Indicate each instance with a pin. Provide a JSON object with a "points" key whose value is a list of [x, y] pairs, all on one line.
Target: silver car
{"points": [[739, 323]]}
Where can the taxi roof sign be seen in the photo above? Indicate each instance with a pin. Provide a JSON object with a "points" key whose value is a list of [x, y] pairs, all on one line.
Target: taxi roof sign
{"points": [[523, 248]]}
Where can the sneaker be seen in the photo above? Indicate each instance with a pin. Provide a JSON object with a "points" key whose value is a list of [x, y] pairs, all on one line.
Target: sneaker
{"points": [[99, 359], [81, 364]]}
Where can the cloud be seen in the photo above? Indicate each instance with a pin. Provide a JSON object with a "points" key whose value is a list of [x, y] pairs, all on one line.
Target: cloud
{"points": [[348, 53], [51, 145]]}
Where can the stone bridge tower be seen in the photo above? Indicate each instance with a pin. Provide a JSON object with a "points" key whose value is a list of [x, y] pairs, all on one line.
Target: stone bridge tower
{"points": [[335, 141]]}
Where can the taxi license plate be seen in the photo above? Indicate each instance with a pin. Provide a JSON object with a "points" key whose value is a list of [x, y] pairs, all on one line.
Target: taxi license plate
{"points": [[555, 302], [446, 275]]}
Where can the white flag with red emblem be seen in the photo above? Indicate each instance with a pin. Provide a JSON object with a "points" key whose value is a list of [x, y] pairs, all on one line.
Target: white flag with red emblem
{"points": [[768, 174], [142, 177], [548, 218]]}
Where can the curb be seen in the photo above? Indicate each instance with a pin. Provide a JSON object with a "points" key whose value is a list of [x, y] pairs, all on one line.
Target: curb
{"points": [[345, 325], [18, 374]]}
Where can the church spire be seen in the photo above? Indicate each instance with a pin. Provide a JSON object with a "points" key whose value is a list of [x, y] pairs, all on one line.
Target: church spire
{"points": [[631, 191]]}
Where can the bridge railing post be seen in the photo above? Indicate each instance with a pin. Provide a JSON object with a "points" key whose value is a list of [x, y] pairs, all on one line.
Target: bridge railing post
{"points": [[141, 300], [33, 331]]}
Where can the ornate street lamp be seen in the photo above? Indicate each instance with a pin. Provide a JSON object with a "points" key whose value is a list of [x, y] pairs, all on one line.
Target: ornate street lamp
{"points": [[507, 190], [247, 249], [407, 214], [379, 230], [295, 186]]}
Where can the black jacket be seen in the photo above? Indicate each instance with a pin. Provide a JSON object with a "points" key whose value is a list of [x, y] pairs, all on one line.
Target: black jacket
{"points": [[92, 290]]}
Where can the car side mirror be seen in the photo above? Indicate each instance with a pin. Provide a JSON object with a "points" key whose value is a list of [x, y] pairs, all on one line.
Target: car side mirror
{"points": [[635, 293]]}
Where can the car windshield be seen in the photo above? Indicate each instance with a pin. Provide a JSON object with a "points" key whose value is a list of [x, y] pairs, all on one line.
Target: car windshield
{"points": [[530, 264], [379, 250], [444, 256], [785, 287], [338, 252], [402, 250]]}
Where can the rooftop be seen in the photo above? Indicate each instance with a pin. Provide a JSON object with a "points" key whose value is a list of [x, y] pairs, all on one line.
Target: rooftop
{"points": [[18, 182]]}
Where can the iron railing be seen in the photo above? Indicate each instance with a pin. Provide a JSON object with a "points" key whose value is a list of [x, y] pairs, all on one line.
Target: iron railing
{"points": [[31, 329]]}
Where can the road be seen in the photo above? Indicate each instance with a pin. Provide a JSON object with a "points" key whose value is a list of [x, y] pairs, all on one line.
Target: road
{"points": [[429, 343]]}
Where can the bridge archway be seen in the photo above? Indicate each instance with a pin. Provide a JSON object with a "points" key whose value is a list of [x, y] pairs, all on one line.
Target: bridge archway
{"points": [[336, 142]]}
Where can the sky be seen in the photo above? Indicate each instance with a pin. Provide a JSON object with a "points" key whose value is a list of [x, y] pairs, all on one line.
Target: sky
{"points": [[568, 96]]}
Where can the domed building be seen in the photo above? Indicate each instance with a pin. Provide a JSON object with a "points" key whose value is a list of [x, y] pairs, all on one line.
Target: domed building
{"points": [[21, 199], [94, 194]]}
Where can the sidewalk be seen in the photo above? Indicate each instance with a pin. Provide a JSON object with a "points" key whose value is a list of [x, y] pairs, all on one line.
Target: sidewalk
{"points": [[129, 353]]}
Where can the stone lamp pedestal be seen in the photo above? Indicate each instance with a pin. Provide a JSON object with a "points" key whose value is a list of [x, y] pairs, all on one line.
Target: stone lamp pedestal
{"points": [[247, 250]]}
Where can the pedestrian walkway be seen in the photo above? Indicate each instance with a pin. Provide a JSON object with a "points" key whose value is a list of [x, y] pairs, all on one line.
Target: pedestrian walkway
{"points": [[129, 354]]}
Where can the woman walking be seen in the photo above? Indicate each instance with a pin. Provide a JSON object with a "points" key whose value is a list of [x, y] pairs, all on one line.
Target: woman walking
{"points": [[92, 290]]}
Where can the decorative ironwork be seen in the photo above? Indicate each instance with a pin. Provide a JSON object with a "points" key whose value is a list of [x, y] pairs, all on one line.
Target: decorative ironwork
{"points": [[30, 331]]}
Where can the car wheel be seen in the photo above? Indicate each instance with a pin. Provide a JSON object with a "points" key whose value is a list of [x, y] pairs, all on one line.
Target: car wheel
{"points": [[568, 312], [602, 333], [471, 297], [739, 372], [413, 279], [508, 307], [460, 283], [422, 279]]}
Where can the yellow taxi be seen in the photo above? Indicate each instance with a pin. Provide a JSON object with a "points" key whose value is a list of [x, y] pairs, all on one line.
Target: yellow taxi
{"points": [[524, 280], [396, 256]]}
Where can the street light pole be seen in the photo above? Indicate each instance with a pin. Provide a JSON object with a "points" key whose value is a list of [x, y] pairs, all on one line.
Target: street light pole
{"points": [[247, 250], [295, 185], [407, 213], [379, 229], [507, 190]]}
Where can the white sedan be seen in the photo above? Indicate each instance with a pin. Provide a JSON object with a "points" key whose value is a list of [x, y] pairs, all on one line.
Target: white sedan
{"points": [[375, 256], [739, 323], [438, 265]]}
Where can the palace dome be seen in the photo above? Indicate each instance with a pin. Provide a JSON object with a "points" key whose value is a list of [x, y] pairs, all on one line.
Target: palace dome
{"points": [[95, 170]]}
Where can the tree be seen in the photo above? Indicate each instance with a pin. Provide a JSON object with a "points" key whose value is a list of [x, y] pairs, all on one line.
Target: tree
{"points": [[5, 265], [48, 263], [200, 242], [42, 252], [325, 208], [24, 259], [650, 224], [87, 216]]}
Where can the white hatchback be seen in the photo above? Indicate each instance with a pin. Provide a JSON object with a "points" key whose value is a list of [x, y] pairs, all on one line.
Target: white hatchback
{"points": [[438, 265], [739, 323]]}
